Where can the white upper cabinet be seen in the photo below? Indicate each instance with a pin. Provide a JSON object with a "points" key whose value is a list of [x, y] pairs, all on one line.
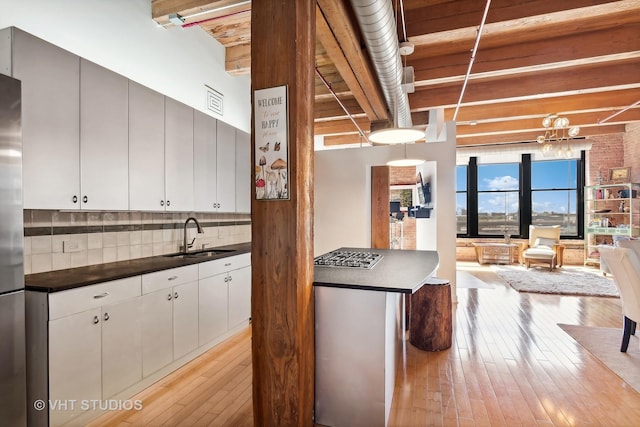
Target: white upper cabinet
{"points": [[226, 168], [178, 156], [243, 172], [204, 161], [50, 121], [146, 148], [104, 138]]}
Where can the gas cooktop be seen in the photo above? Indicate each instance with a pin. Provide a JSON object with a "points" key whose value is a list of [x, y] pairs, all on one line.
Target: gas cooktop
{"points": [[353, 259]]}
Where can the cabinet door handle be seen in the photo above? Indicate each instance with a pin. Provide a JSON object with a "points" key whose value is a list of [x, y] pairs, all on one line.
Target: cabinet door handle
{"points": [[168, 202], [74, 199], [226, 279], [106, 317], [169, 297], [175, 295], [230, 278], [172, 278], [102, 295], [161, 202], [96, 320], [85, 199]]}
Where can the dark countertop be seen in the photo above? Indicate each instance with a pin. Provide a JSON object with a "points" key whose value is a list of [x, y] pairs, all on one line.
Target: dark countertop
{"points": [[61, 280], [398, 271]]}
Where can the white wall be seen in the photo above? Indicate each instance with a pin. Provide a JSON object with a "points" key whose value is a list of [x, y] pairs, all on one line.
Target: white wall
{"points": [[121, 36], [342, 211], [427, 228]]}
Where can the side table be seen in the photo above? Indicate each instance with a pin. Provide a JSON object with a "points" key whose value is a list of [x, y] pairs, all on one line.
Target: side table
{"points": [[494, 252]]}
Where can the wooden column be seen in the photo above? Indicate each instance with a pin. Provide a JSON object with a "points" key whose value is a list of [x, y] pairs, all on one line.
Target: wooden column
{"points": [[283, 53], [380, 207]]}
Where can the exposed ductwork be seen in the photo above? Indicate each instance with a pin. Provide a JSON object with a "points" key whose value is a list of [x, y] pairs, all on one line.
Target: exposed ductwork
{"points": [[378, 26]]}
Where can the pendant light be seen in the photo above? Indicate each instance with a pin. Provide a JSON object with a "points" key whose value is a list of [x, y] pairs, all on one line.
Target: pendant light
{"points": [[405, 161], [397, 134]]}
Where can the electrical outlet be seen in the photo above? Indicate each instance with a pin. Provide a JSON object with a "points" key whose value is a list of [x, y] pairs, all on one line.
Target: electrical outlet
{"points": [[70, 246]]}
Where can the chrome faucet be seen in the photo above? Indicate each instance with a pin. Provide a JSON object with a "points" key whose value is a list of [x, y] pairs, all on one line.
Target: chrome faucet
{"points": [[186, 247]]}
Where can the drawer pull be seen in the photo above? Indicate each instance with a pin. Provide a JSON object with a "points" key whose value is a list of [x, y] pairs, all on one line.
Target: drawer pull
{"points": [[172, 278], [227, 264], [96, 320], [102, 295]]}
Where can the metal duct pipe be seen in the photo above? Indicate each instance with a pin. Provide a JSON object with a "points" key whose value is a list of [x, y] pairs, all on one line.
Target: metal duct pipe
{"points": [[378, 26]]}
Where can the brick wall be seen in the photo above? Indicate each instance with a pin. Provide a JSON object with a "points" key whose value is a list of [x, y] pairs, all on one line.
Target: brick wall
{"points": [[607, 151], [402, 175], [631, 142]]}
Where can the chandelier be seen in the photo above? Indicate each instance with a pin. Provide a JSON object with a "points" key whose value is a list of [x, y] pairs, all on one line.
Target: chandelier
{"points": [[557, 135]]}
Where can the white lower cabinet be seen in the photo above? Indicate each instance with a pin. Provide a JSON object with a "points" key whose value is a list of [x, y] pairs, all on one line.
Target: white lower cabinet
{"points": [[169, 316], [212, 308], [157, 331], [239, 296], [225, 295], [95, 348], [121, 346], [75, 362], [109, 340], [185, 319]]}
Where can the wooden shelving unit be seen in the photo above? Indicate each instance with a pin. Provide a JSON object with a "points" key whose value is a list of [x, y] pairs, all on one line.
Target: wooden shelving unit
{"points": [[610, 210]]}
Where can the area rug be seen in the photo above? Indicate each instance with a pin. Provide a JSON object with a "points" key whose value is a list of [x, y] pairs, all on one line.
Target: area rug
{"points": [[604, 344], [564, 280]]}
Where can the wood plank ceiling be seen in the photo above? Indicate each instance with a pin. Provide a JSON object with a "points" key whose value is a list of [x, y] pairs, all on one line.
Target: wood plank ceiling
{"points": [[577, 58]]}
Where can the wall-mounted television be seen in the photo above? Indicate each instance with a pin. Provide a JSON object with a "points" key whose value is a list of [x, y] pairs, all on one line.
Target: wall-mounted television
{"points": [[424, 190]]}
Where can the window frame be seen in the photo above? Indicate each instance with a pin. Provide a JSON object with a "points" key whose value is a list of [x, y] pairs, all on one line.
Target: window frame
{"points": [[525, 198]]}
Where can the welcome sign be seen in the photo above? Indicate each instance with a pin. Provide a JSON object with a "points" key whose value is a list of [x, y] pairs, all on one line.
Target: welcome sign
{"points": [[271, 154]]}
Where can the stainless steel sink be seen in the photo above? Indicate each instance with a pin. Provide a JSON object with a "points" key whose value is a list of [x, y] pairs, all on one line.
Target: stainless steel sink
{"points": [[201, 254]]}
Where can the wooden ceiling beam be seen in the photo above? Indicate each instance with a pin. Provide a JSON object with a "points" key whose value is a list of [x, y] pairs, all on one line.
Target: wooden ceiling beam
{"points": [[346, 35], [237, 59], [341, 126], [448, 33], [205, 9], [425, 18], [535, 124], [329, 108], [592, 78], [533, 55], [486, 139], [420, 120], [346, 73], [608, 102]]}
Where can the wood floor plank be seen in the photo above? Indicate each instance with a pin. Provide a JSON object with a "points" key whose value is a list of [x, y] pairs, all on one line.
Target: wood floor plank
{"points": [[509, 365]]}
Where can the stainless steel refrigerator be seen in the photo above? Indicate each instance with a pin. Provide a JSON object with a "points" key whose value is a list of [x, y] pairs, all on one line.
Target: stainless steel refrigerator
{"points": [[13, 394]]}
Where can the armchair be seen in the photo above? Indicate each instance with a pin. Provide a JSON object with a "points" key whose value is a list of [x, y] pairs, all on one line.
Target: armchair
{"points": [[543, 246], [624, 265]]}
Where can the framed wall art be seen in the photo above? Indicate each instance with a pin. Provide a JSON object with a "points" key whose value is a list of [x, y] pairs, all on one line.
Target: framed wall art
{"points": [[622, 174], [271, 154]]}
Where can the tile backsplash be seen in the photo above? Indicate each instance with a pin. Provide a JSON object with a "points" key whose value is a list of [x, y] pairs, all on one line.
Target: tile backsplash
{"points": [[55, 240]]}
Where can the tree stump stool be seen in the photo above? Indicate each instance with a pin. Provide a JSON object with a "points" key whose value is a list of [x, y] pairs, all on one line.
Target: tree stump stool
{"points": [[431, 317]]}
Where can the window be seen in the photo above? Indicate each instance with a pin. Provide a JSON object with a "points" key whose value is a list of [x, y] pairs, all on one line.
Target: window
{"points": [[554, 194], [499, 199], [461, 199]]}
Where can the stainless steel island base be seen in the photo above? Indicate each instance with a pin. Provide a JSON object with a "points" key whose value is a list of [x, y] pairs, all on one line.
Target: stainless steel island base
{"points": [[358, 344], [359, 319]]}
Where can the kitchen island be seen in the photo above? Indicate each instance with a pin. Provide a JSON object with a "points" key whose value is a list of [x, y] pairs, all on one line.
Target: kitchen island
{"points": [[359, 317]]}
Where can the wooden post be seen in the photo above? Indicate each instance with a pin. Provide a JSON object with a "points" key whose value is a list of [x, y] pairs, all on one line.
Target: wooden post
{"points": [[283, 53], [380, 207], [431, 317]]}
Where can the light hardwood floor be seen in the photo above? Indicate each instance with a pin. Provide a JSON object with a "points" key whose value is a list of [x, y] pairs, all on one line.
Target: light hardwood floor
{"points": [[510, 365]]}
